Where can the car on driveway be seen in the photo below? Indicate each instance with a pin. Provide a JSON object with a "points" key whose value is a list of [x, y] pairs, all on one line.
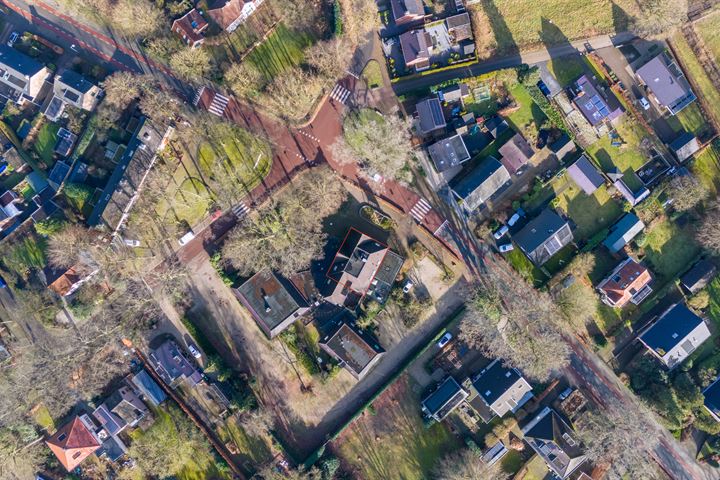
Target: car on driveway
{"points": [[644, 103], [132, 242], [506, 247], [514, 219], [500, 232], [13, 38], [444, 340], [194, 351], [408, 286]]}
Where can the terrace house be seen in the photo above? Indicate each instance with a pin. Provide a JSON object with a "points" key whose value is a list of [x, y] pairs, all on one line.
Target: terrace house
{"points": [[71, 88], [444, 399], [10, 208], [629, 282], [144, 384], [675, 335], [67, 282], [230, 14], [544, 236], [555, 442], [22, 78], [121, 410], [448, 153], [274, 302], [415, 46], [355, 350], [666, 82], [191, 28]]}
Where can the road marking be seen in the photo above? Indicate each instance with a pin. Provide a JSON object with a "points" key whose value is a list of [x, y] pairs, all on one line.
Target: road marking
{"points": [[420, 209], [218, 104], [240, 210], [340, 93], [310, 136]]}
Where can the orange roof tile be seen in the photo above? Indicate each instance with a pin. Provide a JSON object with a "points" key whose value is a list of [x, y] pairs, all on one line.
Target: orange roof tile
{"points": [[73, 443]]}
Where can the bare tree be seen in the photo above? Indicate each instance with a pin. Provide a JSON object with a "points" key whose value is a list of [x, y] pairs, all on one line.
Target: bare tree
{"points": [[708, 232], [257, 422], [686, 192], [191, 63], [465, 464], [244, 79], [135, 18], [270, 472], [377, 144], [620, 438], [330, 58], [578, 304], [509, 319], [359, 19], [292, 94], [121, 88], [660, 16], [67, 246]]}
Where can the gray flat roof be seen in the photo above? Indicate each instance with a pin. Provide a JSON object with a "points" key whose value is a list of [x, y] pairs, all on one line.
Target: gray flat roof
{"points": [[270, 299], [448, 153]]}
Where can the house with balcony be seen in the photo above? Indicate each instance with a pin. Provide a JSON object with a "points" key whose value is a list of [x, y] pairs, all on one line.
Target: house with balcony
{"points": [[629, 282]]}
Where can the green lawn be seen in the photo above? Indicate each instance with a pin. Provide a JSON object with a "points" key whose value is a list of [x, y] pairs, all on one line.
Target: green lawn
{"points": [[625, 157], [393, 442], [372, 74], [707, 28], [690, 119], [283, 49], [567, 69], [190, 203], [251, 449], [591, 213], [517, 259], [669, 249], [45, 141], [706, 167], [236, 154], [713, 310], [528, 113]]}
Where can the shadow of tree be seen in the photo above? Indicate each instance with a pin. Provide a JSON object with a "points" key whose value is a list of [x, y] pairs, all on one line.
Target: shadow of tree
{"points": [[503, 36]]}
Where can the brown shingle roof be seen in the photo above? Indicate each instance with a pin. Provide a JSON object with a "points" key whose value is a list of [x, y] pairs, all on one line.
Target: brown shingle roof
{"points": [[73, 443]]}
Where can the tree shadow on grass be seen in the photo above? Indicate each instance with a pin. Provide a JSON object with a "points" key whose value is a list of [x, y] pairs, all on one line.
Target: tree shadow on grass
{"points": [[503, 36]]}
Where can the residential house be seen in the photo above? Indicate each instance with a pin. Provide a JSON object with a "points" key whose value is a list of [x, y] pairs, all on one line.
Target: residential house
{"points": [[10, 208], [712, 399], [555, 442], [407, 11], [629, 282], [191, 28], [354, 349], [58, 174], [698, 276], [66, 282], [633, 197], [21, 77], [444, 399], [562, 147], [362, 266], [515, 153], [455, 93], [13, 159], [126, 181], [480, 184], [448, 153], [120, 410], [675, 335], [502, 389], [415, 47], [627, 228], [459, 28], [667, 83], [544, 236], [65, 142], [150, 391], [230, 14], [685, 146], [74, 442], [591, 104], [496, 125], [171, 364], [430, 116], [585, 175], [274, 302], [71, 88]]}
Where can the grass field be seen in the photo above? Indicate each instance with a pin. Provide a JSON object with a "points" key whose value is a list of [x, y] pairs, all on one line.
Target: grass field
{"points": [[691, 117], [517, 259], [392, 442], [528, 114], [567, 69], [254, 450], [372, 74], [706, 167], [511, 25], [625, 157], [283, 49], [45, 141], [591, 213], [669, 249]]}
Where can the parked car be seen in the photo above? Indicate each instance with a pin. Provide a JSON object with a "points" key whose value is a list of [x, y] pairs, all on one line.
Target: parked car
{"points": [[13, 38], [644, 103], [408, 286], [444, 340], [132, 243], [543, 88], [565, 393], [186, 238], [500, 232], [3, 283], [506, 247], [194, 351], [514, 219]]}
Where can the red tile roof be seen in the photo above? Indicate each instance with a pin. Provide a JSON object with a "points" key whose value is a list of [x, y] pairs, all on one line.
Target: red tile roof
{"points": [[73, 443], [230, 11], [624, 282], [191, 27]]}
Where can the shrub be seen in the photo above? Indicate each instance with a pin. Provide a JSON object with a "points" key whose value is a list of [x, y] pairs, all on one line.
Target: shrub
{"points": [[338, 20]]}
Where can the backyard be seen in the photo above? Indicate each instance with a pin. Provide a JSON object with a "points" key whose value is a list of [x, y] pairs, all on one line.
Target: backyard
{"points": [[627, 156], [670, 249], [389, 439], [45, 141], [707, 167], [509, 25], [590, 213], [281, 50], [567, 69]]}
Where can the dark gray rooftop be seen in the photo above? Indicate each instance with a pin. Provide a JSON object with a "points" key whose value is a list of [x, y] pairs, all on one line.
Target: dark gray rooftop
{"points": [[671, 328], [270, 299], [481, 183], [355, 348], [667, 82], [19, 62], [584, 173], [443, 394], [448, 153], [623, 231], [76, 81], [495, 380], [539, 230], [699, 275]]}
